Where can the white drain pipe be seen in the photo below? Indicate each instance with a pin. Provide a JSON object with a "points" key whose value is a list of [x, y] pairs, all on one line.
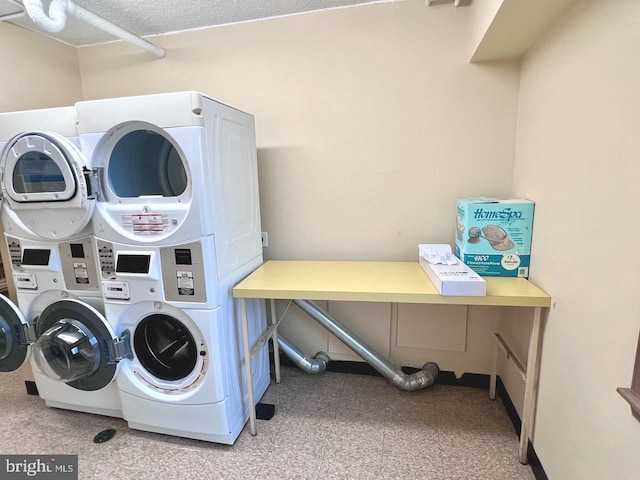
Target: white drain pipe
{"points": [[415, 381], [56, 20]]}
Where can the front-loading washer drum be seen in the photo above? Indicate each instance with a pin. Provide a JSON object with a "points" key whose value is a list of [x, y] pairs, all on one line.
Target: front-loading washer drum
{"points": [[165, 347], [76, 345], [14, 336], [45, 183]]}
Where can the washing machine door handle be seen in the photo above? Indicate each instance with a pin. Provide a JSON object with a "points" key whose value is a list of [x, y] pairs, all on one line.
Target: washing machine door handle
{"points": [[120, 348], [28, 333]]}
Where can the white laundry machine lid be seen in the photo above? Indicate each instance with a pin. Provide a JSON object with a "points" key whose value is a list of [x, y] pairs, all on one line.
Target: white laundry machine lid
{"points": [[45, 182], [76, 345], [14, 336]]}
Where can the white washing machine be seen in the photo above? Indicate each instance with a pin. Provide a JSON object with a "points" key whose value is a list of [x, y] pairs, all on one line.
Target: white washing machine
{"points": [[46, 213], [186, 376], [177, 225]]}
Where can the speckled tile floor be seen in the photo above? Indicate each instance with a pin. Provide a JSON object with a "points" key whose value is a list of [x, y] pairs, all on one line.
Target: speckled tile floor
{"points": [[331, 426]]}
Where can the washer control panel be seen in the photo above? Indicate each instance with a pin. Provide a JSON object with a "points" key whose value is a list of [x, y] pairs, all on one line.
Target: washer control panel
{"points": [[15, 252], [78, 261], [107, 262], [183, 273]]}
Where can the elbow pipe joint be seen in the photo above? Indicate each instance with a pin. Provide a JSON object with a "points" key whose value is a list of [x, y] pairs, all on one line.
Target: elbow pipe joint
{"points": [[314, 366], [418, 380], [54, 21]]}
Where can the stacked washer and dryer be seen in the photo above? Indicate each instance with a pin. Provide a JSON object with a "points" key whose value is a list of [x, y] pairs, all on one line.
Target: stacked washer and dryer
{"points": [[176, 225], [46, 213]]}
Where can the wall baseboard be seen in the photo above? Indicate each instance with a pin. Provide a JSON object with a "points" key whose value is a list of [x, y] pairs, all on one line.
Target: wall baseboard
{"points": [[532, 457], [475, 380]]}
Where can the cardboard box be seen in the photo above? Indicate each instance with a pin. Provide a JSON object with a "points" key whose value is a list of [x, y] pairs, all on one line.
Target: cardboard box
{"points": [[452, 277], [493, 236]]}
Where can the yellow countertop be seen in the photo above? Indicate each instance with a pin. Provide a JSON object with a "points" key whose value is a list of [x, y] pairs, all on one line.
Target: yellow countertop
{"points": [[394, 282]]}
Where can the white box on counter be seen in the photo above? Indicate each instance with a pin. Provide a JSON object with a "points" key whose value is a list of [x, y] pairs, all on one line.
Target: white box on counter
{"points": [[448, 273]]}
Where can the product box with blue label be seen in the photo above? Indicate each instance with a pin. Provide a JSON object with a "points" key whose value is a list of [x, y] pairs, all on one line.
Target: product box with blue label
{"points": [[493, 235]]}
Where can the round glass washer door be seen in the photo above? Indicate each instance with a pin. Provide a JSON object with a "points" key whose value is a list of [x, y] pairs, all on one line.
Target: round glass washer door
{"points": [[13, 347], [73, 345], [67, 351], [165, 347]]}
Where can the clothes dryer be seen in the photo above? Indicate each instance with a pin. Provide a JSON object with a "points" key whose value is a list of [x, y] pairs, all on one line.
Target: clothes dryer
{"points": [[175, 167], [46, 213], [177, 225]]}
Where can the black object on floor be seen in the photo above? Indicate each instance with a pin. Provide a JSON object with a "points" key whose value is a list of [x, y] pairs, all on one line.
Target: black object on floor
{"points": [[104, 436], [31, 387], [265, 411]]}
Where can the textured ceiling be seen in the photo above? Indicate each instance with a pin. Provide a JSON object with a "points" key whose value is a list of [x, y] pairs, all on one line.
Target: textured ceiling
{"points": [[149, 17]]}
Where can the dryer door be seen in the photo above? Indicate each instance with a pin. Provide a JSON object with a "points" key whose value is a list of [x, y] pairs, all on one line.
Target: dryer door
{"points": [[76, 345], [44, 184], [14, 341]]}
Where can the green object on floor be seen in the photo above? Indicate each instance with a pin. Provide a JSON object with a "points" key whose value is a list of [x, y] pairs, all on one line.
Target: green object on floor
{"points": [[104, 436]]}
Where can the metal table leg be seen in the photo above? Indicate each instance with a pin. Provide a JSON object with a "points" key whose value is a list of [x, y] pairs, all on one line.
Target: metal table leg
{"points": [[529, 386], [274, 338], [494, 362], [247, 365]]}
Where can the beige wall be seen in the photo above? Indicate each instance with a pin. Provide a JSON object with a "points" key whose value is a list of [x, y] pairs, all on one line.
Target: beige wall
{"points": [[37, 72], [577, 156], [370, 124]]}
